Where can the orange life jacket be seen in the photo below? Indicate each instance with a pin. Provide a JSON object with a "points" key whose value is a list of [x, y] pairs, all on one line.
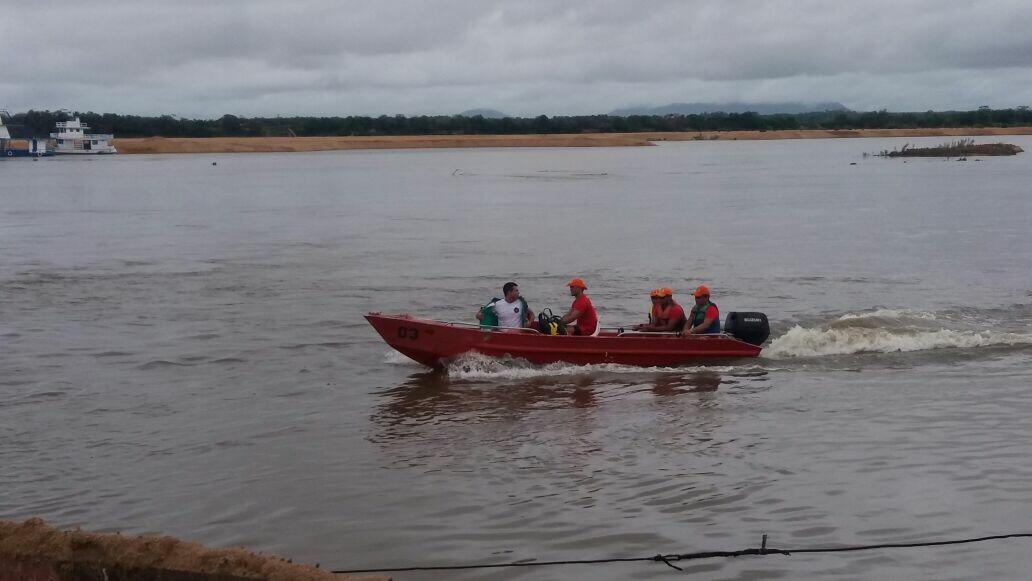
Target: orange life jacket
{"points": [[661, 316]]}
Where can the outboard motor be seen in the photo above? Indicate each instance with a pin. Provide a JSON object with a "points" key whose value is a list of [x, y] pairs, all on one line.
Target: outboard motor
{"points": [[752, 328]]}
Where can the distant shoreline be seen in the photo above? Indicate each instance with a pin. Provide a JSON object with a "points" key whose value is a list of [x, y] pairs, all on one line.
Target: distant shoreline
{"points": [[299, 144]]}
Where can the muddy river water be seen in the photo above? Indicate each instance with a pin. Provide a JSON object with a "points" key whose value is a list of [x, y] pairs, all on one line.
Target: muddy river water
{"points": [[182, 351]]}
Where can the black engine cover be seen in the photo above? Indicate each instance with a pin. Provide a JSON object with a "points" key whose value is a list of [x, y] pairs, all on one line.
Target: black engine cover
{"points": [[752, 328]]}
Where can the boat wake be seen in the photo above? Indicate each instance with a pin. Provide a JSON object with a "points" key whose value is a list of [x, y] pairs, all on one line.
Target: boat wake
{"points": [[873, 332], [476, 366], [885, 331]]}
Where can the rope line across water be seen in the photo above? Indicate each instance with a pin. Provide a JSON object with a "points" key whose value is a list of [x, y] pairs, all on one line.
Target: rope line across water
{"points": [[670, 559]]}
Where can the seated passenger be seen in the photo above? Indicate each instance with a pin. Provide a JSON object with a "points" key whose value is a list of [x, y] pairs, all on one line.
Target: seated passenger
{"points": [[512, 312], [667, 316], [581, 319], [654, 297], [704, 317]]}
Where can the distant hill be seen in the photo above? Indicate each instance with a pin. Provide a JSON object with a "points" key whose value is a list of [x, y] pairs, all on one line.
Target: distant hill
{"points": [[699, 108], [485, 113]]}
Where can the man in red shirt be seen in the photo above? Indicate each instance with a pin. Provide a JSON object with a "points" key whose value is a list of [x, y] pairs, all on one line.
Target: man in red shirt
{"points": [[704, 317], [667, 316], [581, 318]]}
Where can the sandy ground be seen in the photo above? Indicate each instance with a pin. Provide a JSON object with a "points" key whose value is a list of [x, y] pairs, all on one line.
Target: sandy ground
{"points": [[269, 144], [288, 144], [36, 542]]}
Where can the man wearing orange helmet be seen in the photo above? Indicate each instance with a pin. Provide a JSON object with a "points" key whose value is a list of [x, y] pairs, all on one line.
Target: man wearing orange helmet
{"points": [[667, 316], [581, 318], [704, 317]]}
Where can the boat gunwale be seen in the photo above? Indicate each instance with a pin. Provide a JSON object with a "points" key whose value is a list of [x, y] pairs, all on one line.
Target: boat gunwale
{"points": [[621, 332]]}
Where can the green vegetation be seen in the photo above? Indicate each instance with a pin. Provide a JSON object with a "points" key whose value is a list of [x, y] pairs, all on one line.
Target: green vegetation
{"points": [[34, 123], [959, 148]]}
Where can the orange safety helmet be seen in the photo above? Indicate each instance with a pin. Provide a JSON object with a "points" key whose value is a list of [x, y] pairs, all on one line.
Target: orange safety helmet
{"points": [[701, 291], [664, 292], [654, 293], [577, 283]]}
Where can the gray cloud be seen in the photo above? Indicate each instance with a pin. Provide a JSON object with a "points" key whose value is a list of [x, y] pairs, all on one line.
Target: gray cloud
{"points": [[334, 57]]}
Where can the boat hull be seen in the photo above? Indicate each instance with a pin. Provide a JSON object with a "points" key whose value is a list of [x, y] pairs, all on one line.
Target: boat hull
{"points": [[107, 151], [434, 344], [24, 153]]}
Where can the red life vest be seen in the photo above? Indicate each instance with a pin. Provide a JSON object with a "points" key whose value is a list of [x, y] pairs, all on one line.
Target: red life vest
{"points": [[661, 316]]}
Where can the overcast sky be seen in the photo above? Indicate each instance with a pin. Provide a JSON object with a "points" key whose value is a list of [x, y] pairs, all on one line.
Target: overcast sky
{"points": [[205, 58]]}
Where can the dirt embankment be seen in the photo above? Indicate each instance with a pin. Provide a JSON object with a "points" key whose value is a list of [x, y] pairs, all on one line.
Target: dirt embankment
{"points": [[837, 133], [292, 144], [36, 551]]}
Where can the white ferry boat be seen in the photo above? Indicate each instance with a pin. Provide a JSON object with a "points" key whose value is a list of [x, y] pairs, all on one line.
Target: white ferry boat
{"points": [[74, 137]]}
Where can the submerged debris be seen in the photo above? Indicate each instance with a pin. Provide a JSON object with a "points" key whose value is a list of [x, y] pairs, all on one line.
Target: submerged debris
{"points": [[960, 148]]}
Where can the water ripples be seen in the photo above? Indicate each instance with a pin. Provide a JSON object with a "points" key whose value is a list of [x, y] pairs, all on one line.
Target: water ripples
{"points": [[205, 370]]}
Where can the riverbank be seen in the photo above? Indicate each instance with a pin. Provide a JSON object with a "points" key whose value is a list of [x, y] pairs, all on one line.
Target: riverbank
{"points": [[35, 550], [298, 144]]}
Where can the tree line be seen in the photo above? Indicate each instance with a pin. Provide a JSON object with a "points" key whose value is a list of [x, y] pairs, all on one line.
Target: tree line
{"points": [[39, 123]]}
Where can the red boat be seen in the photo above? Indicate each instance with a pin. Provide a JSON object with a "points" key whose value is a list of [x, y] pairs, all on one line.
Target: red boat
{"points": [[435, 343]]}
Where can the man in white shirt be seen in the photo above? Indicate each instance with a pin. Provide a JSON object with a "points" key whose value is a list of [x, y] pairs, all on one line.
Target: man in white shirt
{"points": [[511, 312]]}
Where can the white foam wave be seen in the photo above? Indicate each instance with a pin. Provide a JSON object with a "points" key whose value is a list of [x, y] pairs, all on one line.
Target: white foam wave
{"points": [[888, 314], [803, 342], [476, 366]]}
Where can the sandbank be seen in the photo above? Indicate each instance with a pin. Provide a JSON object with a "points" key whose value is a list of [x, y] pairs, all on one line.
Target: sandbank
{"points": [[296, 144]]}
